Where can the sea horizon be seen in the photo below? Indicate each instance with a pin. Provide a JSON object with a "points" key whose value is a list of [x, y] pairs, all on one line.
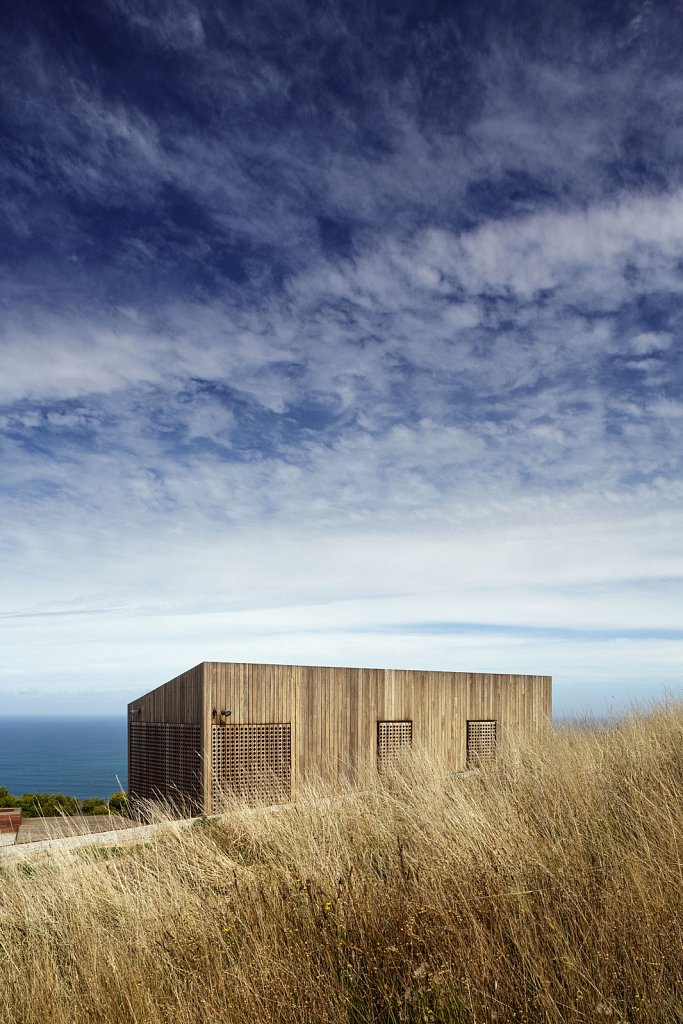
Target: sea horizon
{"points": [[81, 755]]}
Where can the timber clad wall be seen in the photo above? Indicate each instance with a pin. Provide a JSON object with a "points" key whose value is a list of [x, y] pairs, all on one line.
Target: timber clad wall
{"points": [[165, 762], [328, 722], [165, 743]]}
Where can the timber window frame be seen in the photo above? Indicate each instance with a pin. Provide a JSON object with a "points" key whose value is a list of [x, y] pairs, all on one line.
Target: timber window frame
{"points": [[394, 738], [482, 741]]}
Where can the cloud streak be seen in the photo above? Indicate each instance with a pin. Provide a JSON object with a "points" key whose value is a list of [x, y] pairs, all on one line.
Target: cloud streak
{"points": [[317, 322]]}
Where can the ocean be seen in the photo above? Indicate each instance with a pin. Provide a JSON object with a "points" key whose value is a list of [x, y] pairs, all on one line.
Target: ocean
{"points": [[81, 756]]}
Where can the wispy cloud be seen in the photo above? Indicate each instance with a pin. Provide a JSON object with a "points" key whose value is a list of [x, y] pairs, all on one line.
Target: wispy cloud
{"points": [[318, 323]]}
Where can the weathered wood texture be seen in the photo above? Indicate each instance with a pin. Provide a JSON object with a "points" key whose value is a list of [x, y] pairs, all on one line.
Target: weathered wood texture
{"points": [[166, 742], [334, 712], [180, 700]]}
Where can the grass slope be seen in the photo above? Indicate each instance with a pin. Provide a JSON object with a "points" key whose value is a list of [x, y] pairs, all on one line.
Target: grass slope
{"points": [[546, 889]]}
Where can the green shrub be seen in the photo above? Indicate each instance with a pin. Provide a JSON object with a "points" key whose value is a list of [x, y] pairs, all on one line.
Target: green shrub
{"points": [[51, 805], [47, 805], [94, 805], [118, 803], [6, 798]]}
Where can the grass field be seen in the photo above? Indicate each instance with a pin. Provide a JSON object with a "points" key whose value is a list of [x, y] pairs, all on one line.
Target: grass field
{"points": [[548, 888]]}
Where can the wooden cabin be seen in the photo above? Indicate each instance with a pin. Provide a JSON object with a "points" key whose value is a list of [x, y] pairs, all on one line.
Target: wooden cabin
{"points": [[224, 729]]}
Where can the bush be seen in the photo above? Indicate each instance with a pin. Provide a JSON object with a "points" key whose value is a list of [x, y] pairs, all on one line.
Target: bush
{"points": [[118, 803], [6, 798], [47, 805], [94, 805], [52, 805]]}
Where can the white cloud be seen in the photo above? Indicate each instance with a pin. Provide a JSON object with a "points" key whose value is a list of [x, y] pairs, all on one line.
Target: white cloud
{"points": [[62, 359], [667, 408], [471, 414], [562, 249], [177, 26], [144, 645], [649, 342]]}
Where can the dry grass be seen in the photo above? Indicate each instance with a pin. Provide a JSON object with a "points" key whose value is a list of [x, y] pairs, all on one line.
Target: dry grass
{"points": [[546, 889]]}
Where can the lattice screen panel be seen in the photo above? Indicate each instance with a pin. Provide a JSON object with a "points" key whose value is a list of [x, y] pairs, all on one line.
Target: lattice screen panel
{"points": [[252, 762], [393, 739], [481, 743], [165, 762]]}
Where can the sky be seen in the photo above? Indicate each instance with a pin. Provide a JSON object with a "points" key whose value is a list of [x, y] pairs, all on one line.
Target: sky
{"points": [[340, 333]]}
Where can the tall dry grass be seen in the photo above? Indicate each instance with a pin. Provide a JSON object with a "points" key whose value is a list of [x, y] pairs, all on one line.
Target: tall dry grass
{"points": [[548, 888]]}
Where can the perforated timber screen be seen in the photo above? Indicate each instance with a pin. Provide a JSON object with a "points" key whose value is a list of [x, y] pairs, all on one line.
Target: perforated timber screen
{"points": [[481, 743], [393, 739], [252, 762], [165, 762]]}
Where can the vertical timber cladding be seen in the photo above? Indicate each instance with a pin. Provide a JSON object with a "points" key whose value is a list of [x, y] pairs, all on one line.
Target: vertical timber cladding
{"points": [[250, 731], [323, 719], [165, 743], [333, 711]]}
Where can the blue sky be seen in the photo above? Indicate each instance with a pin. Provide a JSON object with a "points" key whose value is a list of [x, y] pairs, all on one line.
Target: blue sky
{"points": [[340, 333]]}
